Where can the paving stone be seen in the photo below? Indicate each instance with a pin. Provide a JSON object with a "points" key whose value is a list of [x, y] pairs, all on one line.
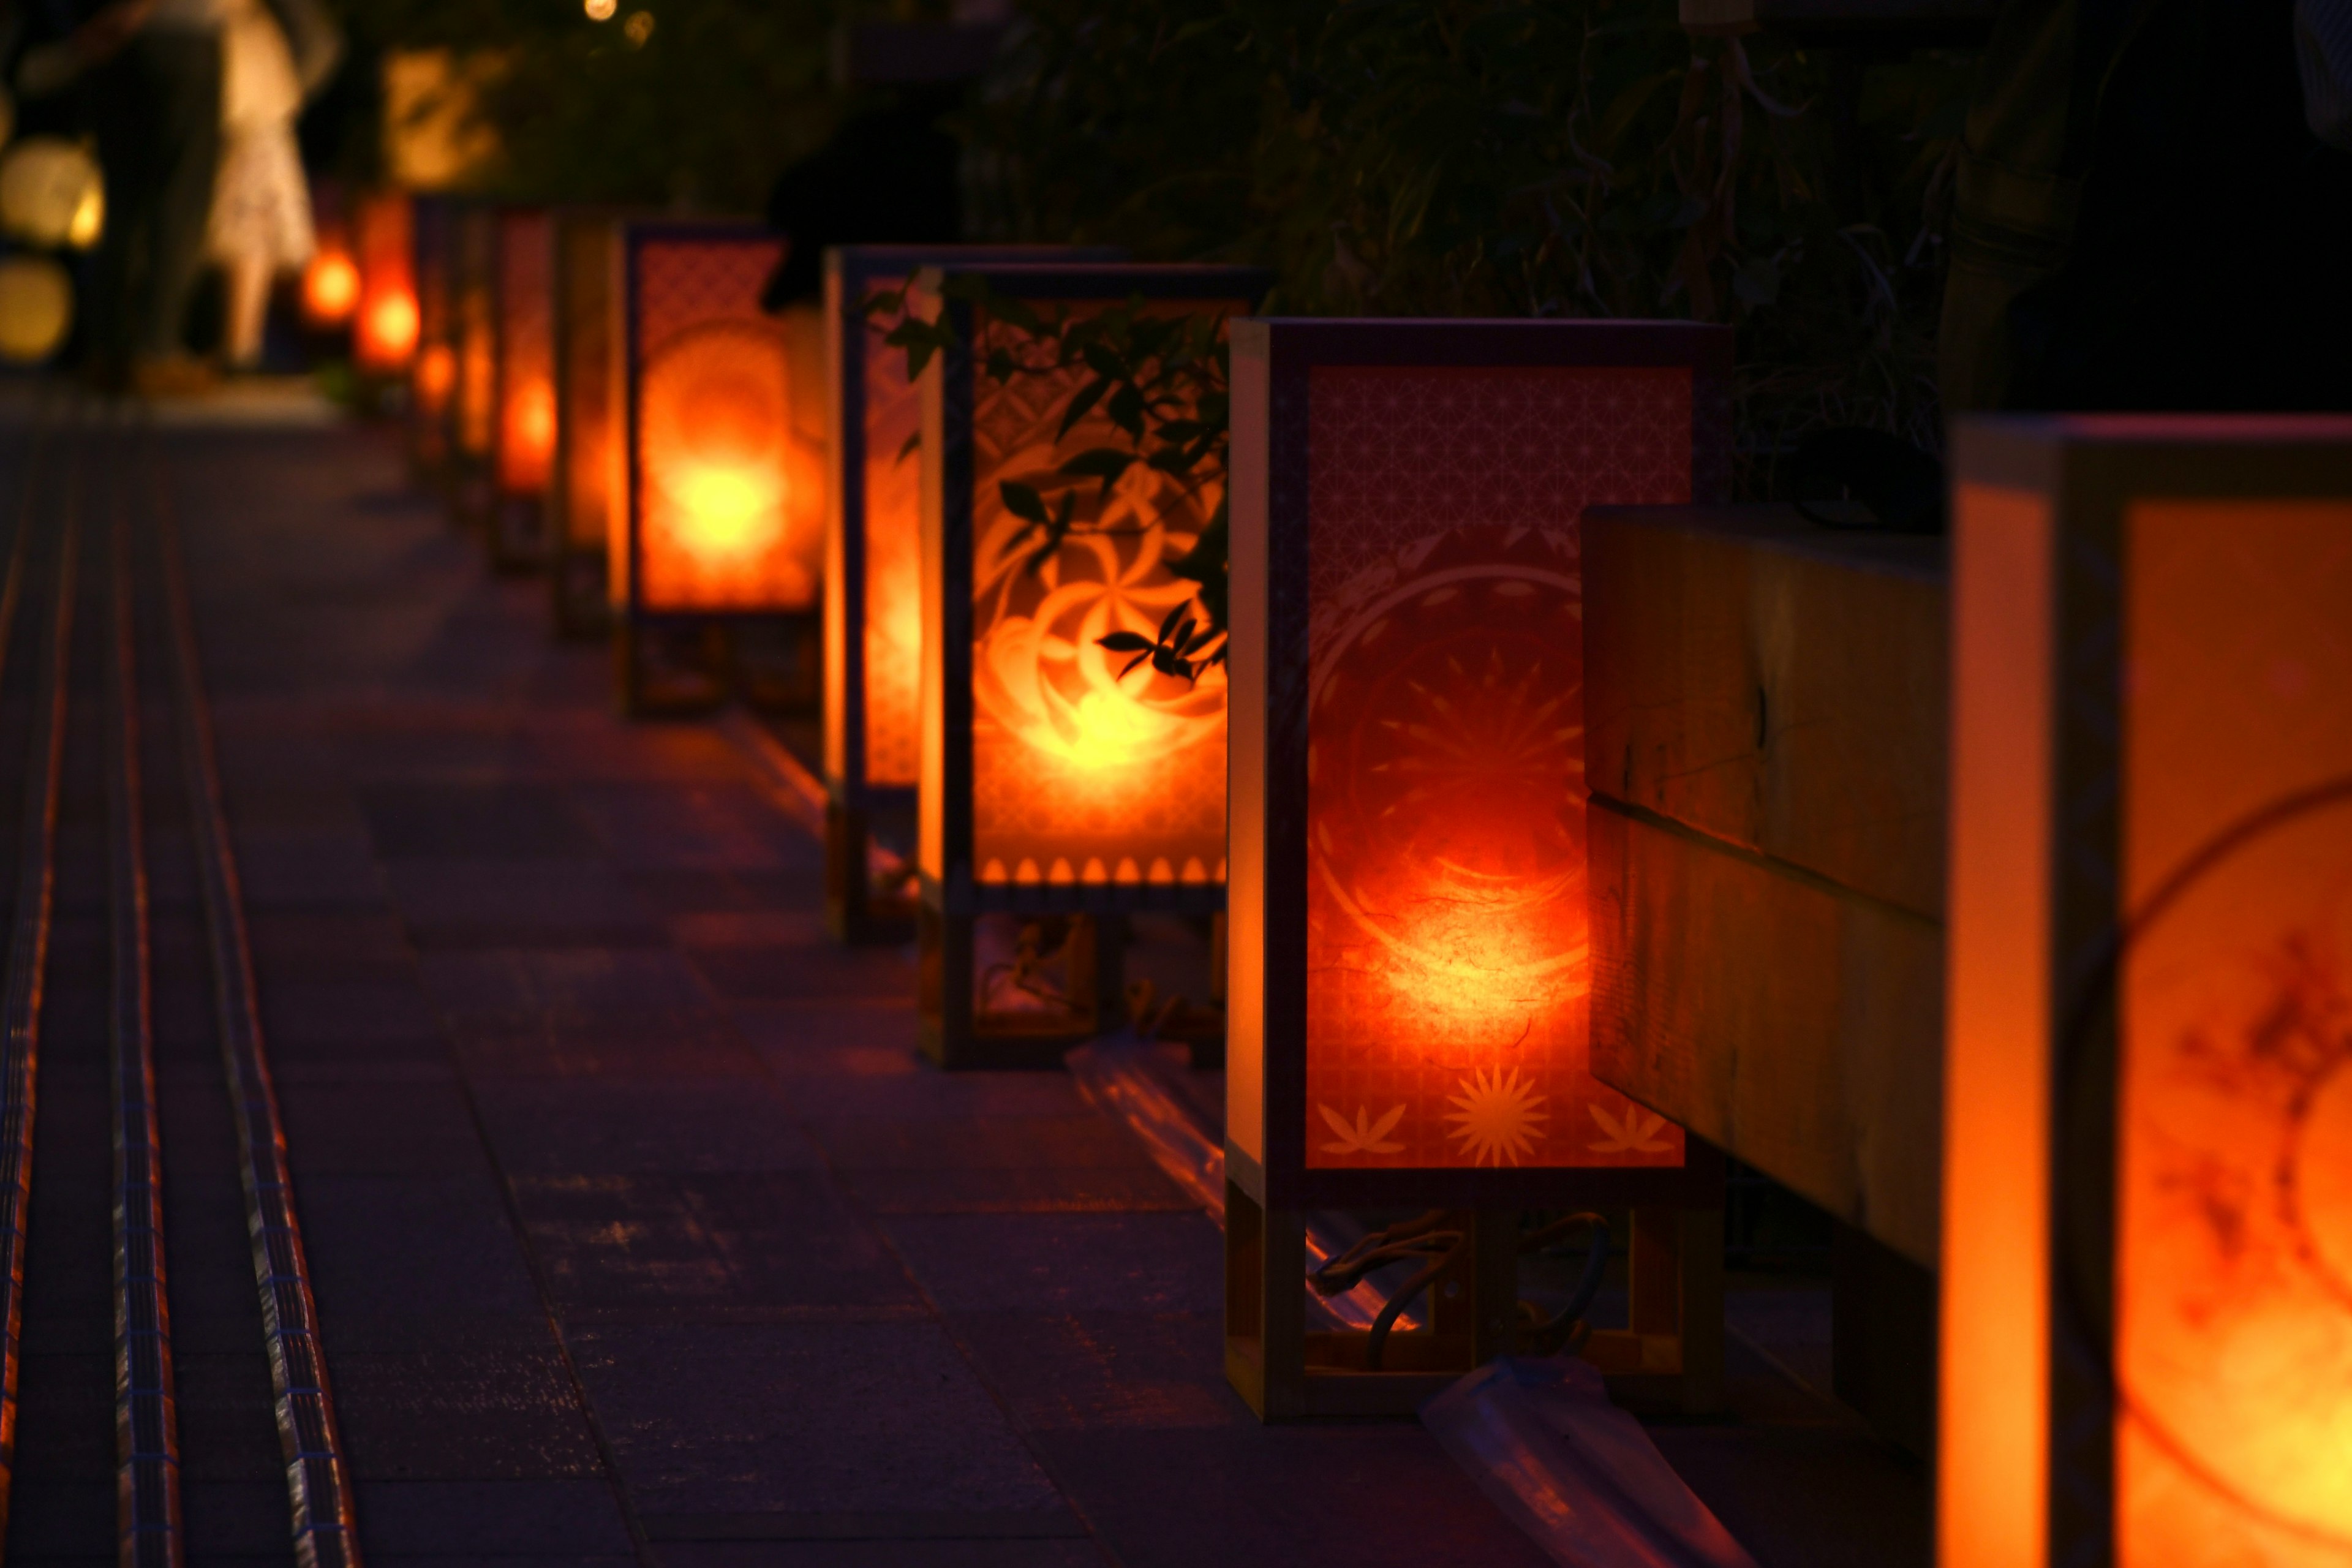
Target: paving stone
{"points": [[1037, 1190], [498, 822], [1064, 1263], [742, 972], [1819, 1499], [602, 1126], [380, 1129], [433, 1245], [461, 1412], [1080, 1141], [721, 826], [670, 1044], [1085, 1371], [806, 1418], [560, 1520], [364, 945], [676, 890], [307, 868], [884, 1554], [586, 980], [303, 1013], [249, 1519], [909, 1087], [228, 1426]]}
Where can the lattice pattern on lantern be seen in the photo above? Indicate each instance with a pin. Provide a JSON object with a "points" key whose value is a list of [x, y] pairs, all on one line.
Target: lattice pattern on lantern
{"points": [[1081, 773], [526, 353], [2151, 968], [388, 320], [894, 560], [729, 490], [1445, 824]]}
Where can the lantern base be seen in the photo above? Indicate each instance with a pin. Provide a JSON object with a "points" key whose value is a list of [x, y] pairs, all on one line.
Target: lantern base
{"points": [[672, 664], [583, 607], [1668, 1358], [518, 541], [471, 500], [868, 891]]}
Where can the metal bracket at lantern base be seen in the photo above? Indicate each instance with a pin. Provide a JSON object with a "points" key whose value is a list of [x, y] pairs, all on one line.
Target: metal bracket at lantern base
{"points": [[1668, 1358]]}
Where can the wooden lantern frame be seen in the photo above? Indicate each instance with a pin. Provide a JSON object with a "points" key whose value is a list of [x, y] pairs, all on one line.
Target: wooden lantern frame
{"points": [[951, 897], [2118, 745], [384, 244], [524, 327], [585, 283], [715, 637], [430, 430], [1673, 1349], [854, 909]]}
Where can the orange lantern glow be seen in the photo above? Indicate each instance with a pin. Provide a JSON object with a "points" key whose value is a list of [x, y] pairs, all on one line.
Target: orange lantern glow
{"points": [[1409, 980], [583, 478], [386, 321], [331, 288], [1056, 795], [2147, 1141], [474, 413], [723, 534], [524, 315], [873, 597], [433, 371]]}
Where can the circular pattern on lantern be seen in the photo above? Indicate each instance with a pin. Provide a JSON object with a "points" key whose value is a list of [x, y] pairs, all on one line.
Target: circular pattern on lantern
{"points": [[715, 428], [36, 308], [2233, 1253]]}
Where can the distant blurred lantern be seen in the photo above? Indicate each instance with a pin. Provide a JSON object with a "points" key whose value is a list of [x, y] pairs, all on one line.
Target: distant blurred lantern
{"points": [[2147, 1135], [716, 560], [389, 322], [36, 308], [52, 193], [525, 360], [1409, 969], [585, 476], [473, 419], [1060, 792], [331, 288], [599, 10], [873, 588], [432, 373]]}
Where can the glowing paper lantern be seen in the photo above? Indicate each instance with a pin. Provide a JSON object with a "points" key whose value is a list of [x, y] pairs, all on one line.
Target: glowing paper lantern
{"points": [[52, 193], [36, 308], [1409, 968], [473, 328], [432, 373], [585, 478], [525, 359], [873, 589], [331, 288], [722, 538], [2148, 1138], [1056, 798], [388, 322]]}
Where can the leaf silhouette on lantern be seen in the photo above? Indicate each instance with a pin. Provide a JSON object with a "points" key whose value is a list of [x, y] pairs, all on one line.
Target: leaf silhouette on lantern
{"points": [[1636, 1133], [1499, 1115], [1364, 1136]]}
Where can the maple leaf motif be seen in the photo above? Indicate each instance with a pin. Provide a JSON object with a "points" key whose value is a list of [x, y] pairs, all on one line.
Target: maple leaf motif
{"points": [[1635, 1134], [1366, 1137]]}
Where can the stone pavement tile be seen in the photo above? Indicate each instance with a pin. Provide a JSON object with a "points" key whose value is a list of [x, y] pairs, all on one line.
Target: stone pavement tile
{"points": [[592, 980], [590, 1127], [1081, 1371], [460, 903], [249, 1517], [719, 824], [1079, 1141], [1069, 1553], [437, 1244], [560, 1520], [380, 1129], [788, 1033], [1040, 1190], [71, 1516], [1820, 1497], [307, 868], [808, 1418], [413, 752], [913, 1087], [228, 1422], [570, 1043], [300, 1012], [1064, 1263], [498, 822], [690, 890], [1372, 1496], [461, 1412], [329, 946], [771, 974], [49, 1384], [753, 928], [691, 1246], [599, 747]]}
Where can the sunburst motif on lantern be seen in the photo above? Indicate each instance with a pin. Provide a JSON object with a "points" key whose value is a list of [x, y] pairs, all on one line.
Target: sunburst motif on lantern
{"points": [[722, 538], [386, 319], [873, 615], [584, 478], [2148, 1177], [525, 395], [1059, 791], [1410, 974], [433, 370]]}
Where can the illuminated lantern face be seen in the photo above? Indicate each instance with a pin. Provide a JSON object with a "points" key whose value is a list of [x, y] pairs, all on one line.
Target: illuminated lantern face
{"points": [[583, 473], [893, 539], [384, 306], [477, 389], [2153, 767], [729, 490], [526, 353], [436, 378], [330, 289]]}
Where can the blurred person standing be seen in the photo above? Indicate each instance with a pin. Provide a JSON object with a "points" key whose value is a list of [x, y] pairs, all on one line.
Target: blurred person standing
{"points": [[260, 224]]}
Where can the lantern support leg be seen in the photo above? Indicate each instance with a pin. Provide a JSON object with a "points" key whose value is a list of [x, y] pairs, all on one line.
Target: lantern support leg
{"points": [[577, 580], [1670, 1352]]}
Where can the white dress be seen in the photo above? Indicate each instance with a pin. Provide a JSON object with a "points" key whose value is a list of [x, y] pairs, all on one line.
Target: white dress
{"points": [[261, 202]]}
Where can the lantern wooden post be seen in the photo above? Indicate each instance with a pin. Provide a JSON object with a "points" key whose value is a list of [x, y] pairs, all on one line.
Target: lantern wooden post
{"points": [[1055, 802], [1408, 978], [2146, 1278], [716, 556], [873, 588], [433, 372], [523, 439], [385, 321], [474, 335], [584, 481]]}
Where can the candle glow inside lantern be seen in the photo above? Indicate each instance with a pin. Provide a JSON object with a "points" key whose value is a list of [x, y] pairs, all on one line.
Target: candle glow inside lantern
{"points": [[1409, 982], [387, 317], [433, 372], [722, 538], [2148, 1144], [1063, 793], [873, 591], [525, 394], [585, 476]]}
